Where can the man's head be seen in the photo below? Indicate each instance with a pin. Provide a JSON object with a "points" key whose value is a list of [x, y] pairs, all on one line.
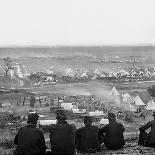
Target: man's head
{"points": [[111, 117], [87, 121], [32, 118], [61, 115], [151, 91], [153, 114]]}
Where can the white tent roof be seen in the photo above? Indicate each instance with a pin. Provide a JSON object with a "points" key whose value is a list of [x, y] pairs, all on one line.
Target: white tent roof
{"points": [[67, 106], [47, 122], [150, 105], [126, 95], [97, 71], [84, 75], [104, 121], [138, 101], [114, 92], [79, 111], [96, 113], [69, 72]]}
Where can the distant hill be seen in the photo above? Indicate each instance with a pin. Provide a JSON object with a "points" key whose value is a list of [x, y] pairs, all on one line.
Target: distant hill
{"points": [[73, 50], [59, 58]]}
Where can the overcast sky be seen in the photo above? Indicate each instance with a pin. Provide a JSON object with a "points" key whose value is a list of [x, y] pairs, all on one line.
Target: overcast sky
{"points": [[77, 22]]}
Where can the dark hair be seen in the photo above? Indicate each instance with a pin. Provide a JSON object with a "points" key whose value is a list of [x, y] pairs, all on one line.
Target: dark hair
{"points": [[87, 119], [61, 114]]}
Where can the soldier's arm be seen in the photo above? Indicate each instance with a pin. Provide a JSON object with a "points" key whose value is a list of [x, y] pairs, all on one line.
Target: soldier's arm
{"points": [[16, 138], [51, 130], [145, 127], [122, 127]]}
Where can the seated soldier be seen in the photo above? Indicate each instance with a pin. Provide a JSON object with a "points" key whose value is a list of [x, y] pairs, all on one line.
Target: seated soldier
{"points": [[62, 136], [87, 137], [29, 139], [147, 139], [113, 131]]}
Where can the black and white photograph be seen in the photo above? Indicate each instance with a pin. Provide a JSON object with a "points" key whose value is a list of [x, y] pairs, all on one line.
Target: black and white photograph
{"points": [[77, 77]]}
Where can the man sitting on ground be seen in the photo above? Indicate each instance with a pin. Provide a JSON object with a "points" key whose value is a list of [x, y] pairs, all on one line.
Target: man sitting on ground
{"points": [[147, 139], [87, 137], [113, 131], [62, 136], [29, 139]]}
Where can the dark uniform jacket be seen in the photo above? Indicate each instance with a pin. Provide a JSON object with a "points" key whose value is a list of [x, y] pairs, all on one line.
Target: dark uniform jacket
{"points": [[62, 139], [87, 139], [151, 135], [30, 141], [113, 138]]}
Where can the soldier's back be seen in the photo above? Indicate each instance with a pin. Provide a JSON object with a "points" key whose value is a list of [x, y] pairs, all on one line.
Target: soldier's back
{"points": [[87, 139], [62, 139]]}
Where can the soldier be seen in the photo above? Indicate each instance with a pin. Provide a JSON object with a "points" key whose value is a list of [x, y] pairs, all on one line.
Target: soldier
{"points": [[32, 101], [29, 139], [147, 139], [62, 136], [113, 131], [87, 137]]}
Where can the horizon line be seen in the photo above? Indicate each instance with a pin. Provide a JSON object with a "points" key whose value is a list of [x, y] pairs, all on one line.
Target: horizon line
{"points": [[58, 46]]}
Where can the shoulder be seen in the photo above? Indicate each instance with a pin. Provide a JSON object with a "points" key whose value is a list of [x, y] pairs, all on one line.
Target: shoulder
{"points": [[22, 129], [120, 124], [38, 131], [80, 129]]}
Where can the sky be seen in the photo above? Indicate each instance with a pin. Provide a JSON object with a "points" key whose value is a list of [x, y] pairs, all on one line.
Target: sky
{"points": [[76, 22]]}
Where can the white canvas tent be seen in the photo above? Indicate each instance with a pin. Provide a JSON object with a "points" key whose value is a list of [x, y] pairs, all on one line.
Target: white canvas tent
{"points": [[104, 121], [97, 71], [96, 113], [69, 72], [79, 111], [114, 92], [138, 101], [67, 106], [125, 97], [84, 75], [150, 105], [47, 122]]}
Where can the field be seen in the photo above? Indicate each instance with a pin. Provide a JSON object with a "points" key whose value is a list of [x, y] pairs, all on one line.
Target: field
{"points": [[60, 58]]}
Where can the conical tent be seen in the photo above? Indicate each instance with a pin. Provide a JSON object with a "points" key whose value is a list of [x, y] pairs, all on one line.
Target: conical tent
{"points": [[150, 105], [97, 71], [69, 72], [138, 101], [84, 75], [114, 92]]}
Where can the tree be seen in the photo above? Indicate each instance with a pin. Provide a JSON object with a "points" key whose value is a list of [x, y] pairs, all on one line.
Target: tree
{"points": [[7, 65]]}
